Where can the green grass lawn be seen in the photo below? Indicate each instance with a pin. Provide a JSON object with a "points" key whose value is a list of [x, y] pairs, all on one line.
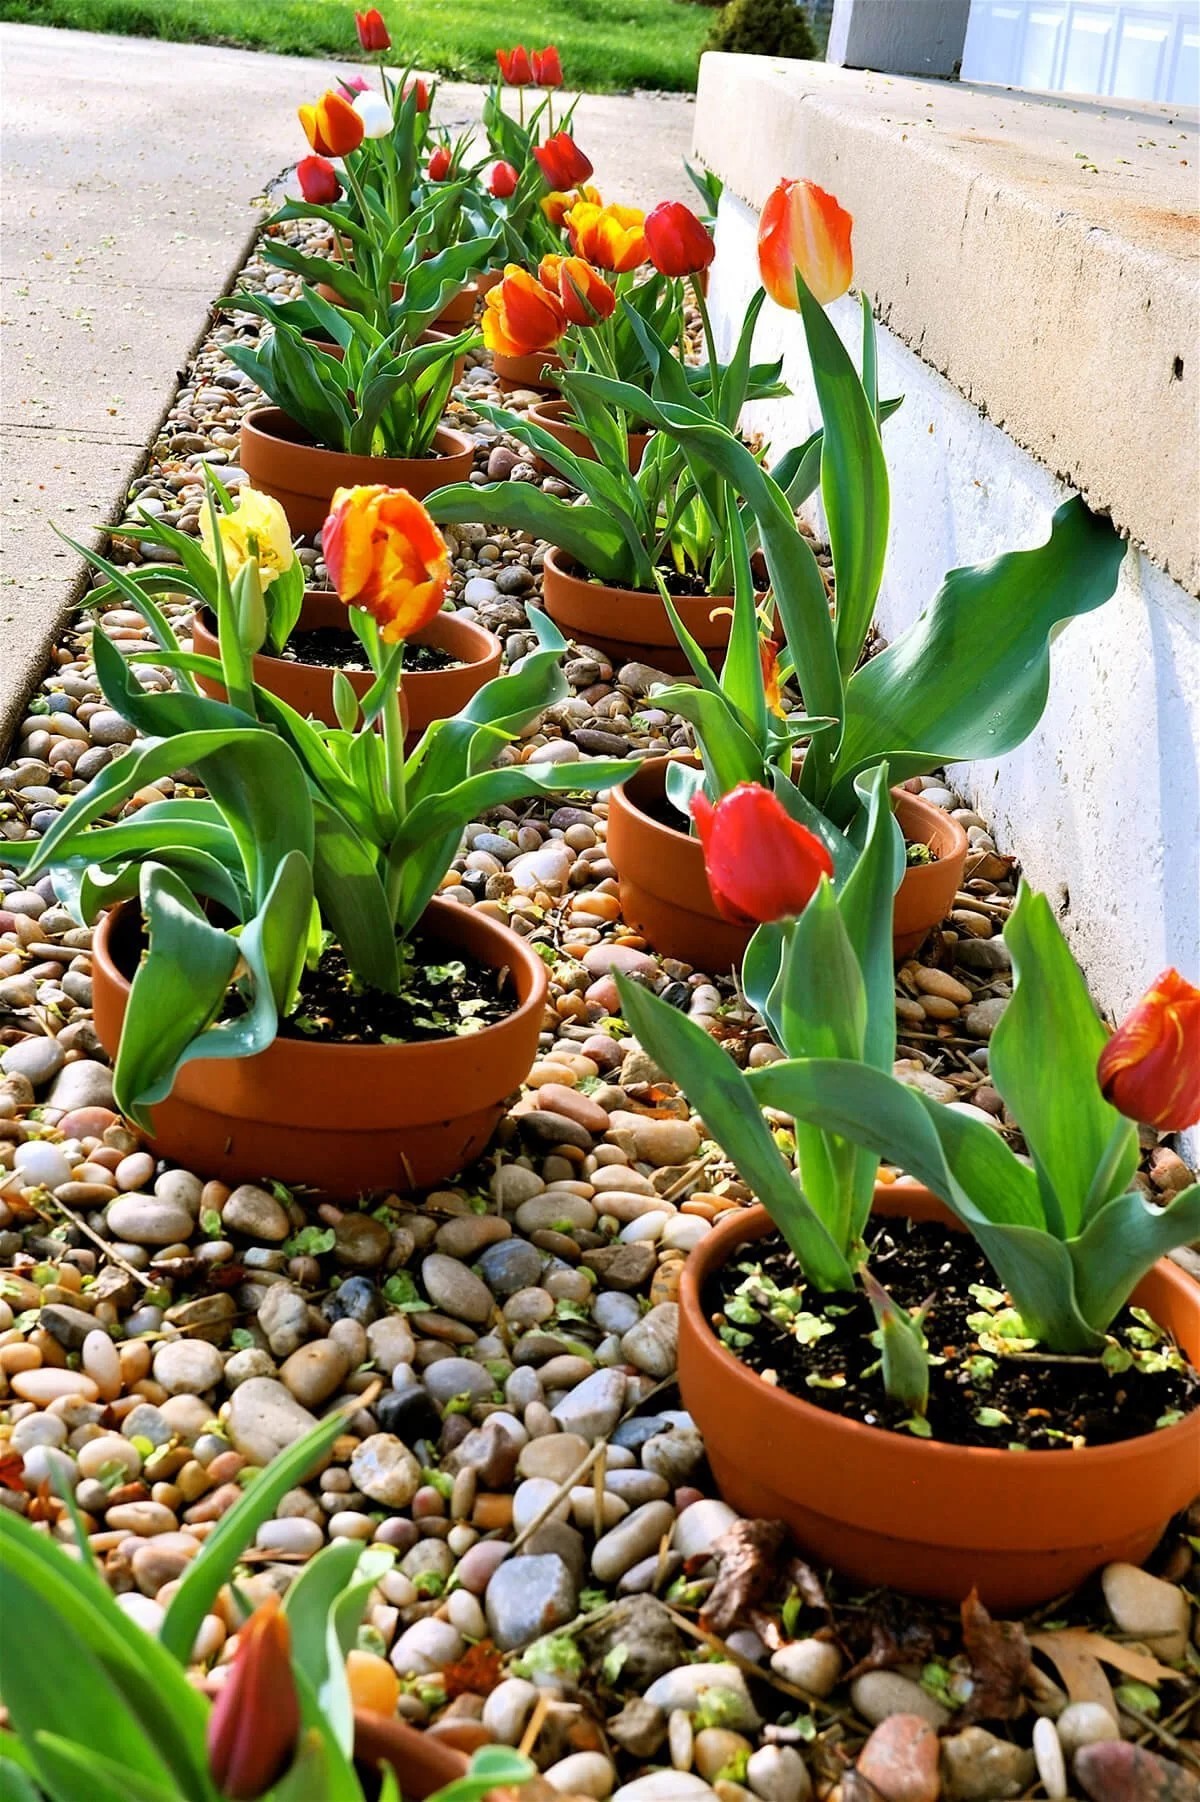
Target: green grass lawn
{"points": [[605, 44]]}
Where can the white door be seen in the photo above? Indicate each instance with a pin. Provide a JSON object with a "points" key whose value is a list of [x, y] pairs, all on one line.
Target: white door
{"points": [[1129, 49]]}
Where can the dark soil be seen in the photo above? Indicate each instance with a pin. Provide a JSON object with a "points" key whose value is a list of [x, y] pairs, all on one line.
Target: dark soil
{"points": [[442, 996], [1048, 1404], [329, 648]]}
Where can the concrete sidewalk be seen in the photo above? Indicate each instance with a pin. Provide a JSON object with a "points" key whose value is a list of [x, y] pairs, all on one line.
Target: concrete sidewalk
{"points": [[131, 169]]}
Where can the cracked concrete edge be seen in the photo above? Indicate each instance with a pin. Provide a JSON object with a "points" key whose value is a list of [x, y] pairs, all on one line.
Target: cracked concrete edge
{"points": [[23, 666], [1060, 302]]}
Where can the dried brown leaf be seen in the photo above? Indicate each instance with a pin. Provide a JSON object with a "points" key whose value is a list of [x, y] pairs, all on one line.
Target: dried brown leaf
{"points": [[749, 1555], [887, 1631], [1000, 1656]]}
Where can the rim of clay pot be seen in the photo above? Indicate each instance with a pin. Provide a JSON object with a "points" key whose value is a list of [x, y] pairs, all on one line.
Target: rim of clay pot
{"points": [[272, 426], [526, 372], [290, 1070], [421, 1761], [1038, 1473], [689, 883], [646, 622], [476, 649], [558, 418]]}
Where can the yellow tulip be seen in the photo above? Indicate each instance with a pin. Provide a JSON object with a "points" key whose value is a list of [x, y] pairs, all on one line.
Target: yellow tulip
{"points": [[256, 528]]}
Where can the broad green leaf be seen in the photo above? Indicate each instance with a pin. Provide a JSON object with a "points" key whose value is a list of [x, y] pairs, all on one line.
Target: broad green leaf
{"points": [[970, 678], [1042, 1059], [721, 1094], [865, 902], [309, 1605], [234, 1532], [1122, 1242], [491, 1767], [585, 533], [15, 1785], [352, 897], [78, 1769]]}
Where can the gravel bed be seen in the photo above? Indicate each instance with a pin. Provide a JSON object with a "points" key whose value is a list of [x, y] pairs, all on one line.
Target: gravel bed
{"points": [[504, 1347]]}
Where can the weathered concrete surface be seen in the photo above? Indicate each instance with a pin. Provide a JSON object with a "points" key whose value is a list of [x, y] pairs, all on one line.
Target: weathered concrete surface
{"points": [[131, 170], [1040, 251]]}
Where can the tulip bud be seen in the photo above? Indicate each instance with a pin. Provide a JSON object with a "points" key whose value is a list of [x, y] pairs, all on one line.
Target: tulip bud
{"points": [[439, 164], [372, 32], [420, 88], [385, 554], [561, 161], [255, 1722], [375, 114], [804, 231], [516, 71], [547, 68], [1150, 1068], [318, 181], [500, 179], [761, 863], [677, 241]]}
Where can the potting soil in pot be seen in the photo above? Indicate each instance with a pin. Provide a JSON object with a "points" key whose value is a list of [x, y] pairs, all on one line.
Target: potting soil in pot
{"points": [[328, 648], [989, 1385], [439, 996]]}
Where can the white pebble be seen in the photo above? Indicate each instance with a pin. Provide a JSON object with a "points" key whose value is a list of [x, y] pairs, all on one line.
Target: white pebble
{"points": [[681, 1740], [143, 1609], [100, 1360], [1048, 1753], [1083, 1723], [582, 1774], [303, 1537]]}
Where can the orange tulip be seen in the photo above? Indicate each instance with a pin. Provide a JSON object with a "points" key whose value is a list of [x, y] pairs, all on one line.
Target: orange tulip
{"points": [[768, 656], [385, 554], [332, 126], [804, 230], [611, 236], [582, 292], [255, 1721], [1150, 1068], [520, 317]]}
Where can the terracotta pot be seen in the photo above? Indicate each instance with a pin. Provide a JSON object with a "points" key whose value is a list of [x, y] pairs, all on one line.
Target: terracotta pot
{"points": [[341, 1119], [556, 417], [461, 310], [631, 626], [280, 459], [927, 890], [308, 687], [664, 887], [526, 372], [421, 1761], [929, 1518]]}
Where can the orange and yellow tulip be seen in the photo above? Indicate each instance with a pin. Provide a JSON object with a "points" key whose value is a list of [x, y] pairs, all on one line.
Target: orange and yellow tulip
{"points": [[520, 316], [558, 204], [385, 554], [804, 231], [255, 1721], [582, 292], [612, 237], [1150, 1068], [332, 126]]}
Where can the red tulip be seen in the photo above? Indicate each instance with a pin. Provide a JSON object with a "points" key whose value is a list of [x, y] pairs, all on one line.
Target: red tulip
{"points": [[677, 242], [331, 125], [1150, 1068], [500, 179], [516, 71], [561, 161], [439, 164], [761, 863], [804, 229], [255, 1721], [318, 181], [372, 32], [421, 89], [547, 69]]}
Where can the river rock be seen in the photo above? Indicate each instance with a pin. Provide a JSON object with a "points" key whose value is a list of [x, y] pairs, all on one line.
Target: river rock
{"points": [[778, 1774], [385, 1470], [642, 1627], [978, 1766], [1083, 1723], [528, 1597], [1118, 1771], [360, 1242], [593, 1407], [699, 1527], [187, 1366], [1048, 1755], [634, 1538], [1148, 1609], [255, 1213], [428, 1645], [900, 1760], [878, 1694], [315, 1371], [148, 1220], [665, 1786], [509, 1266], [283, 1317], [508, 1707], [83, 1084], [811, 1664], [685, 1687], [652, 1346], [451, 1377], [452, 1287], [390, 1342], [263, 1419], [673, 1455], [582, 1774], [36, 1059]]}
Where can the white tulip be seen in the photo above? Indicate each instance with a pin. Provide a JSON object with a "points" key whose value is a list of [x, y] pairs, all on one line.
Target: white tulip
{"points": [[375, 114]]}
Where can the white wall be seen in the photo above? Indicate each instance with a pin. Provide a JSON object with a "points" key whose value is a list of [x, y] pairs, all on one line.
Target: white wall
{"points": [[1102, 803]]}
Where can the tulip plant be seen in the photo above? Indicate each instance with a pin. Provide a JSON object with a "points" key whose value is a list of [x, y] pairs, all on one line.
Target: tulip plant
{"points": [[131, 1725], [306, 831], [986, 632], [1067, 1233], [819, 970]]}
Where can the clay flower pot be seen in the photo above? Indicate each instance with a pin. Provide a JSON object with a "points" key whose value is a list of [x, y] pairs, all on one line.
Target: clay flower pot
{"points": [[422, 1762], [526, 372], [280, 459], [930, 1518], [461, 310], [629, 625], [664, 886], [308, 687], [341, 1119], [556, 417]]}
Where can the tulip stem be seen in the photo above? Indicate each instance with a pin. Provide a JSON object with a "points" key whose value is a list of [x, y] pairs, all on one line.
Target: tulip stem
{"points": [[393, 745], [714, 368]]}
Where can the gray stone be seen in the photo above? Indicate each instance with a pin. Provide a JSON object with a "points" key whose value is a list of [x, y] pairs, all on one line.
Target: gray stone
{"points": [[450, 1377], [528, 1597], [593, 1408], [685, 1686], [187, 1366], [147, 1220], [978, 1766], [283, 1317], [453, 1288], [263, 1419], [255, 1213], [643, 1628], [510, 1266], [385, 1470], [84, 1083], [652, 1345], [878, 1694], [37, 1060], [632, 1539], [675, 1455]]}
